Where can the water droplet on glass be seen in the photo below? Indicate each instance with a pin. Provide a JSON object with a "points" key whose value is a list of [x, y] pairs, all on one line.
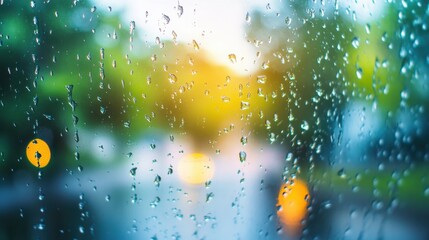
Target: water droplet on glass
{"points": [[341, 173], [102, 53], [368, 28], [248, 18], [172, 78], [209, 197], [134, 198], [225, 99], [288, 21], [262, 79], [133, 171], [242, 156], [132, 27], [232, 58], [157, 180], [272, 137], [304, 125], [40, 226], [326, 204], [155, 202], [359, 73], [243, 140], [355, 42], [179, 10], [195, 44], [265, 65], [166, 19], [289, 157], [244, 105]]}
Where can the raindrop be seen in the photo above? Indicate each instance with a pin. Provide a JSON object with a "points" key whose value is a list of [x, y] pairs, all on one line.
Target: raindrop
{"points": [[170, 170], [166, 19], [359, 73], [262, 79], [289, 157], [267, 124], [225, 99], [133, 171], [341, 173], [40, 226], [155, 202], [157, 180], [244, 105], [248, 18], [132, 26], [195, 44], [288, 21], [368, 28], [265, 65], [172, 78], [242, 156], [134, 198], [102, 53], [243, 140], [291, 76], [304, 125], [272, 137], [232, 58], [326, 204], [179, 10], [404, 94], [355, 42], [209, 197]]}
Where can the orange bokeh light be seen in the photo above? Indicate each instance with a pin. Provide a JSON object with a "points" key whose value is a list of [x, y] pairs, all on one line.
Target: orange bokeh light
{"points": [[38, 153], [293, 200]]}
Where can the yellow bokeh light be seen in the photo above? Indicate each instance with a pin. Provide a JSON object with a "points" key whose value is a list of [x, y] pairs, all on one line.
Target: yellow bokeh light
{"points": [[293, 200], [195, 168], [38, 153]]}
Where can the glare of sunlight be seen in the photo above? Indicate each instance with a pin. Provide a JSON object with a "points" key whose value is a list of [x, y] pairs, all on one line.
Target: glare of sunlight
{"points": [[195, 168], [217, 26], [364, 11]]}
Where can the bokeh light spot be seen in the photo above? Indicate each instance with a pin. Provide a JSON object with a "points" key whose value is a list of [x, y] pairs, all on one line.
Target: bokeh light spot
{"points": [[195, 168], [38, 153], [293, 200]]}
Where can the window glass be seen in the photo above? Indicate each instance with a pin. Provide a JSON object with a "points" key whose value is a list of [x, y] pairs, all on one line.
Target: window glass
{"points": [[220, 119]]}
